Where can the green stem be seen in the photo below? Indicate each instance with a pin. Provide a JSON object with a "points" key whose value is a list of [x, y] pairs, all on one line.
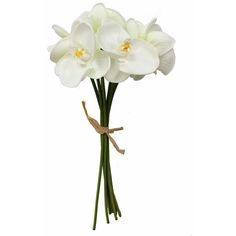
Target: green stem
{"points": [[96, 92], [98, 190], [100, 165], [106, 153], [116, 204], [102, 92], [110, 95], [105, 107], [110, 186], [111, 91]]}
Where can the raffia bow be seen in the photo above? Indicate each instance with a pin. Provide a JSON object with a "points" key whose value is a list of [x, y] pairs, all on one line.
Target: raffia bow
{"points": [[103, 130]]}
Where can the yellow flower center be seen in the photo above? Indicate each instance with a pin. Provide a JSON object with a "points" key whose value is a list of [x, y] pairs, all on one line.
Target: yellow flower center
{"points": [[125, 46], [79, 52]]}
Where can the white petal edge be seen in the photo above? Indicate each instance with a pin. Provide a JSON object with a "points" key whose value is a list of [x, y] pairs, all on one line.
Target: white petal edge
{"points": [[167, 62], [155, 27], [110, 37], [60, 31], [141, 28], [116, 17], [135, 28], [142, 59], [60, 49], [162, 41], [98, 12], [114, 74], [70, 72], [132, 28], [100, 65], [83, 36], [137, 77], [150, 25], [82, 18], [49, 48]]}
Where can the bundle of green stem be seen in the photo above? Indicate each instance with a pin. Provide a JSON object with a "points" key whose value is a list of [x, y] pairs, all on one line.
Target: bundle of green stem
{"points": [[105, 101]]}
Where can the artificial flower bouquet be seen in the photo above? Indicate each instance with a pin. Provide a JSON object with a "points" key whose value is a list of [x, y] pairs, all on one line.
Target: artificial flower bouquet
{"points": [[105, 47]]}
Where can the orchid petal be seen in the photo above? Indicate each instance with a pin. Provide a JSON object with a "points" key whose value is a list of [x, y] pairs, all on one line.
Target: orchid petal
{"points": [[137, 77], [49, 48], [60, 49], [140, 60], [60, 31], [152, 26], [100, 65], [135, 28], [167, 62], [162, 41], [110, 37], [114, 74], [116, 17], [84, 17], [98, 12], [83, 36], [132, 28], [70, 71]]}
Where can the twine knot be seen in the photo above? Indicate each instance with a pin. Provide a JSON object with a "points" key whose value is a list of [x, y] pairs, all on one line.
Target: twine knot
{"points": [[103, 130]]}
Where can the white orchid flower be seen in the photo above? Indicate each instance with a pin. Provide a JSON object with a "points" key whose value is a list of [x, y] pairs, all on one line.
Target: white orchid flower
{"points": [[129, 56], [152, 33], [135, 49], [77, 57], [98, 16]]}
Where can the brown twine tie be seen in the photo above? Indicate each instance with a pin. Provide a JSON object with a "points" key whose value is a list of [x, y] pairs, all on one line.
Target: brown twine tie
{"points": [[103, 130]]}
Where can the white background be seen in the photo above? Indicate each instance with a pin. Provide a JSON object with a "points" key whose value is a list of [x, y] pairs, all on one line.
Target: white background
{"points": [[178, 174]]}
